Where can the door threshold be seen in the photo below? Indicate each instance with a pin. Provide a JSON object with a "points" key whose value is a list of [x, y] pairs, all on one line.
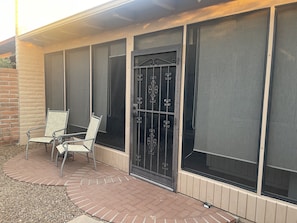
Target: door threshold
{"points": [[152, 182]]}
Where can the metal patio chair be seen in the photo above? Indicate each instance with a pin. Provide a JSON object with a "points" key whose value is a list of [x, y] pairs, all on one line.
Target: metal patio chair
{"points": [[56, 125], [85, 145]]}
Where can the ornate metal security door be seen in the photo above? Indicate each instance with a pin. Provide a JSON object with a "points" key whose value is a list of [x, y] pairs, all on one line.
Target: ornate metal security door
{"points": [[154, 150]]}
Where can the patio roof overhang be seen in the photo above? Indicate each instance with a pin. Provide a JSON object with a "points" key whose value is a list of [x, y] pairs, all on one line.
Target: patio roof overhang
{"points": [[112, 15], [7, 47]]}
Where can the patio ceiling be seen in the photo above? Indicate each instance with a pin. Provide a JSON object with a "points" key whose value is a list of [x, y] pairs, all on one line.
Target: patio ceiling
{"points": [[7, 46], [112, 15]]}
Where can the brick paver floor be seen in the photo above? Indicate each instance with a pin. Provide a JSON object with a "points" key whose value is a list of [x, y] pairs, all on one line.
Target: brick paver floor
{"points": [[111, 194]]}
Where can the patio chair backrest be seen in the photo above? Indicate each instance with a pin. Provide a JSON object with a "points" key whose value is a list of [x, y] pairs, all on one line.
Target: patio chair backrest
{"points": [[92, 131], [56, 120]]}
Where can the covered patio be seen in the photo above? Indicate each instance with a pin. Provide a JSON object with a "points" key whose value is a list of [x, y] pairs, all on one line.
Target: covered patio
{"points": [[111, 194]]}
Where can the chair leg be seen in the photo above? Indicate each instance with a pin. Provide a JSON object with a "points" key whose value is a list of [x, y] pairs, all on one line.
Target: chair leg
{"points": [[53, 149], [27, 147], [88, 157], [94, 160], [57, 156], [45, 147], [62, 166]]}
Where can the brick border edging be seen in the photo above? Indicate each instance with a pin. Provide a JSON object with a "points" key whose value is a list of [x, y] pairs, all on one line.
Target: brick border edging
{"points": [[9, 107]]}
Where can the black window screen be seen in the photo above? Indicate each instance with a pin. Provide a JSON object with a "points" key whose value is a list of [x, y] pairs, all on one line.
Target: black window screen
{"points": [[281, 151], [109, 89], [223, 99], [78, 87], [159, 39], [54, 80]]}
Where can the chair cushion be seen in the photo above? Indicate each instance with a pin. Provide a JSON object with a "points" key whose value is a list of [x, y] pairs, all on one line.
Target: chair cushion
{"points": [[42, 139], [72, 148]]}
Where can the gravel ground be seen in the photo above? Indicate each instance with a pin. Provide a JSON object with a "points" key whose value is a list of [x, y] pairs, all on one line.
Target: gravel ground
{"points": [[24, 202]]}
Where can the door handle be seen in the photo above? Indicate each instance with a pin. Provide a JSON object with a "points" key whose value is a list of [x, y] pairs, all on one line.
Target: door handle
{"points": [[135, 110]]}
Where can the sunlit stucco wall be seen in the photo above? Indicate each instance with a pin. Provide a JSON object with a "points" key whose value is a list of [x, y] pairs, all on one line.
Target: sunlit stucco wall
{"points": [[31, 87]]}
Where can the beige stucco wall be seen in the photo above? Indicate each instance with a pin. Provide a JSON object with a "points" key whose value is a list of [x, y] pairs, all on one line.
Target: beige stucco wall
{"points": [[117, 159], [246, 204], [30, 67]]}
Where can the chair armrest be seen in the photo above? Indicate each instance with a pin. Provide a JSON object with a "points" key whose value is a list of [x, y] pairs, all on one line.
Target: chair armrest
{"points": [[62, 137], [28, 133], [54, 133], [72, 134], [65, 144]]}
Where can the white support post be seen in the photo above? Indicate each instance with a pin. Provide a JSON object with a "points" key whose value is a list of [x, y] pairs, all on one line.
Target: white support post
{"points": [[266, 98]]}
